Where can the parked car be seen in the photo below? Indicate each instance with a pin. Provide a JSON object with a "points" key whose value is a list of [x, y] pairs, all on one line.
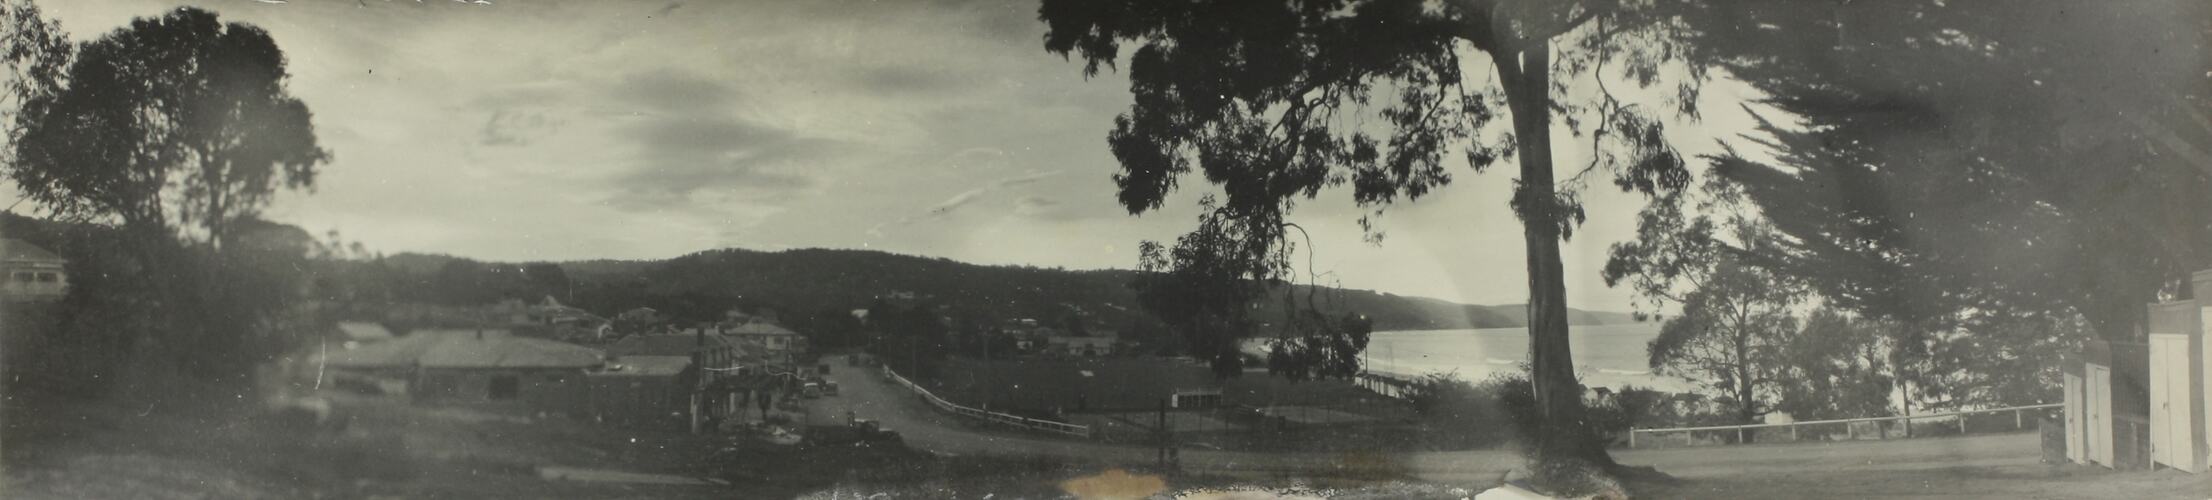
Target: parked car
{"points": [[811, 390], [829, 388]]}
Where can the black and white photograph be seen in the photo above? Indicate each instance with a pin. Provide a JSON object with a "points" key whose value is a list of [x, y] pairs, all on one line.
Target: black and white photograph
{"points": [[1106, 249]]}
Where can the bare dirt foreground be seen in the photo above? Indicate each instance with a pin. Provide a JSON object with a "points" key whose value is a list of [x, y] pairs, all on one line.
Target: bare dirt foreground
{"points": [[216, 447], [1983, 466]]}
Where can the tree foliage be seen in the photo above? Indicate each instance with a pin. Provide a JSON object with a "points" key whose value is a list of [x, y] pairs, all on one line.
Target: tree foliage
{"points": [[1839, 367], [1736, 320], [2003, 358], [2036, 156], [174, 124], [35, 51], [1267, 100], [176, 130], [1203, 292]]}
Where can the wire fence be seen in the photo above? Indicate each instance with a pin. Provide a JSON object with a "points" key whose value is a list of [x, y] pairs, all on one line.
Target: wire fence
{"points": [[1850, 429], [989, 416]]}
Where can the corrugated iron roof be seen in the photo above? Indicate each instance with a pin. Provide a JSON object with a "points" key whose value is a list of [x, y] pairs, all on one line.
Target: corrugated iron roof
{"points": [[677, 344], [363, 330], [465, 349], [758, 328], [509, 352], [647, 366], [15, 250], [399, 352]]}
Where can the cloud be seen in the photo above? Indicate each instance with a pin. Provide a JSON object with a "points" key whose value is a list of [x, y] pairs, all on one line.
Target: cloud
{"points": [[676, 158], [674, 91], [508, 127], [689, 148], [910, 80], [1033, 205], [669, 9], [969, 196], [946, 207]]}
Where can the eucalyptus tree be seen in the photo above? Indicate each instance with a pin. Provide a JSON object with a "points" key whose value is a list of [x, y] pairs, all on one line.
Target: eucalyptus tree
{"points": [[1736, 319], [178, 130], [35, 51], [1275, 102], [174, 125]]}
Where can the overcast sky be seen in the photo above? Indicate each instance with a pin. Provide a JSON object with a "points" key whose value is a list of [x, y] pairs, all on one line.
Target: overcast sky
{"points": [[561, 130]]}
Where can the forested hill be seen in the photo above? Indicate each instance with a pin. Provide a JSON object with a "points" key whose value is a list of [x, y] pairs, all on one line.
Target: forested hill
{"points": [[809, 281]]}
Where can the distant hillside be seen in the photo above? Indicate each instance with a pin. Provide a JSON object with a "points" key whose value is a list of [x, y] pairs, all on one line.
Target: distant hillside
{"points": [[810, 280]]}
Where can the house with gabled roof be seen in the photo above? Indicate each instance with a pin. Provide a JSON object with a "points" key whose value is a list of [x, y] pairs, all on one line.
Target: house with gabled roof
{"points": [[31, 273], [488, 369]]}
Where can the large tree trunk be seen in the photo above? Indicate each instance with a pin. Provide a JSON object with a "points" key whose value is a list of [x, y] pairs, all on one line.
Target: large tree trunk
{"points": [[1551, 360]]}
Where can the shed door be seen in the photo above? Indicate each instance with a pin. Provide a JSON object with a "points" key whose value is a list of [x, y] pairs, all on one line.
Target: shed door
{"points": [[2203, 396], [2100, 419], [2180, 404], [2161, 417], [2075, 426]]}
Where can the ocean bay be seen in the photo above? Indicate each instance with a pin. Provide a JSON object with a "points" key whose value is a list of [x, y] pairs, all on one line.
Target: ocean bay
{"points": [[1604, 355]]}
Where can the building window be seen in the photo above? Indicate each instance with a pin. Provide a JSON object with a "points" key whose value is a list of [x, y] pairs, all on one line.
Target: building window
{"points": [[48, 277], [25, 277], [504, 387]]}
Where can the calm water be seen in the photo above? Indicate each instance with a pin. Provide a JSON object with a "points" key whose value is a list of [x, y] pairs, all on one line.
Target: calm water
{"points": [[1608, 356]]}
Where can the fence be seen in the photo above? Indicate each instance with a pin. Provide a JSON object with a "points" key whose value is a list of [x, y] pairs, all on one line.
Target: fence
{"points": [[989, 416], [1387, 385], [2019, 422]]}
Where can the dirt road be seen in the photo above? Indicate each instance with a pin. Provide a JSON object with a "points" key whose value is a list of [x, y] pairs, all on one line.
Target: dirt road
{"points": [[869, 396]]}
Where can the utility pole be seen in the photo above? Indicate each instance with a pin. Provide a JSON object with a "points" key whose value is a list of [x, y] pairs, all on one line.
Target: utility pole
{"points": [[988, 391], [1161, 429]]}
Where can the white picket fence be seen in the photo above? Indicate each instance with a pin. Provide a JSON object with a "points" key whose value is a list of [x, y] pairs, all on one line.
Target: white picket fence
{"points": [[2018, 416], [989, 416]]}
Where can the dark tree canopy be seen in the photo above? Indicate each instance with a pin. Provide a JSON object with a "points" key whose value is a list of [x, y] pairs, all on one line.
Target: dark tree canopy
{"points": [[178, 123], [2027, 156], [1839, 368]]}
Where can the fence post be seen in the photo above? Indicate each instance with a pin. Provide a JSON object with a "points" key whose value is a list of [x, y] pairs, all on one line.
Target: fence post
{"points": [[1631, 439], [1739, 435], [1793, 432], [1962, 424], [1850, 432], [2016, 425]]}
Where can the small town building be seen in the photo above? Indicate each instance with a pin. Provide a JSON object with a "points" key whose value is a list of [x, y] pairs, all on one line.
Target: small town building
{"points": [[644, 315], [480, 368], [1084, 346], [665, 344], [2140, 405], [2177, 379], [771, 340], [642, 390], [364, 331], [32, 273]]}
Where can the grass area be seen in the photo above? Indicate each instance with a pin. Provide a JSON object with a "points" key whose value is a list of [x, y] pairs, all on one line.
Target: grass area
{"points": [[1121, 384], [2042, 481], [1137, 384], [222, 447], [210, 446]]}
